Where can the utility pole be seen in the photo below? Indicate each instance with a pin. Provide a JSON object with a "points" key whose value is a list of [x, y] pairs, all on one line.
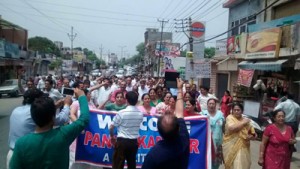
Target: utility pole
{"points": [[183, 26], [101, 49], [72, 37], [160, 45], [122, 47]]}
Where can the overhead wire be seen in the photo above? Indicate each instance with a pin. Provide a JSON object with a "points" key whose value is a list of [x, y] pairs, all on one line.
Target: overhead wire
{"points": [[87, 15], [30, 19], [209, 10], [92, 9]]}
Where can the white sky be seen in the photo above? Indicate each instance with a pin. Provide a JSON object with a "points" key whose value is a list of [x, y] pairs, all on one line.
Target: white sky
{"points": [[112, 23]]}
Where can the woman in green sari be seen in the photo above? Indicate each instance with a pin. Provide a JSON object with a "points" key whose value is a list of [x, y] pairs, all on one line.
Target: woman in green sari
{"points": [[236, 142], [153, 98], [119, 103]]}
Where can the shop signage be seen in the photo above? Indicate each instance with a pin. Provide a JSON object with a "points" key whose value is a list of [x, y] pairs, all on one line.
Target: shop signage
{"points": [[245, 77], [263, 44], [167, 49], [197, 29], [200, 68]]}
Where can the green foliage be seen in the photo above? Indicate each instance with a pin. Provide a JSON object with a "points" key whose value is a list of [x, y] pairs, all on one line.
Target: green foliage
{"points": [[90, 55], [209, 52], [137, 58], [55, 64], [43, 45]]}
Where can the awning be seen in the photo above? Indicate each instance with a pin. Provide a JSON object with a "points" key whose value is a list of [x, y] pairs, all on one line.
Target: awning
{"points": [[274, 66]]}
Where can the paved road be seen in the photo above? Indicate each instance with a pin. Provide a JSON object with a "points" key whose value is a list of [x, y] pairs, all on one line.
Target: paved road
{"points": [[8, 104], [6, 107]]}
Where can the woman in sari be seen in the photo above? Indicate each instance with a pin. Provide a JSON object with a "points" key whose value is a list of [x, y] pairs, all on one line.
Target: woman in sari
{"points": [[190, 108], [188, 96], [119, 104], [145, 107], [216, 120], [236, 141], [277, 143], [226, 103], [153, 98], [164, 107]]}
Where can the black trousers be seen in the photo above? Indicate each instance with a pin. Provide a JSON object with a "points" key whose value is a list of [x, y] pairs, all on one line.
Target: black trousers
{"points": [[125, 149]]}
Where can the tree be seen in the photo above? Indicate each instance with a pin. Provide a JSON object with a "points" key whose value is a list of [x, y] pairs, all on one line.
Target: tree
{"points": [[54, 65], [209, 52], [137, 58], [43, 45], [90, 55]]}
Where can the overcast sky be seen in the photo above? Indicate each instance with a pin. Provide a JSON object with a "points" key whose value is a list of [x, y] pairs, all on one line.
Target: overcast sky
{"points": [[115, 24]]}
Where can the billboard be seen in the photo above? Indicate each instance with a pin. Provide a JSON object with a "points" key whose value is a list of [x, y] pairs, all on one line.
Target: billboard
{"points": [[263, 44], [167, 49]]}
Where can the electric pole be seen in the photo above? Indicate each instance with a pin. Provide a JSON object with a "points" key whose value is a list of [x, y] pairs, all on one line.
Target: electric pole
{"points": [[101, 49], [160, 45], [72, 36], [122, 47]]}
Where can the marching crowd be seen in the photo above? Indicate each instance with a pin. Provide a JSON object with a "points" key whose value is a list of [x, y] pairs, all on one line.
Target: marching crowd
{"points": [[43, 129]]}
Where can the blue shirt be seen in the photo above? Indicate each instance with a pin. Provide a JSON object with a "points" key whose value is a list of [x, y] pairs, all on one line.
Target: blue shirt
{"points": [[21, 123], [170, 155], [291, 109]]}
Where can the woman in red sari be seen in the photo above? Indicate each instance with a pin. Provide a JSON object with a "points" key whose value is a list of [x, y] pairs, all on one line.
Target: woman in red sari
{"points": [[276, 146], [226, 103]]}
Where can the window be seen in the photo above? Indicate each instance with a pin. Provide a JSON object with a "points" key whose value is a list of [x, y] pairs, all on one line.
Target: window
{"points": [[244, 25]]}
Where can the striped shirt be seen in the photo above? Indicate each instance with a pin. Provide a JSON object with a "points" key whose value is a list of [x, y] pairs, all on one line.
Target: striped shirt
{"points": [[128, 122]]}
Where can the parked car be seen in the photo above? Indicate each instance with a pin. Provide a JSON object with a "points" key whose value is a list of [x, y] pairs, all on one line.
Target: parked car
{"points": [[119, 74], [10, 87], [96, 72]]}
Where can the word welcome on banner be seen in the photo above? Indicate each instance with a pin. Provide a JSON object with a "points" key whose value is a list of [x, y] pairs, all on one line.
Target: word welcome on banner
{"points": [[94, 146]]}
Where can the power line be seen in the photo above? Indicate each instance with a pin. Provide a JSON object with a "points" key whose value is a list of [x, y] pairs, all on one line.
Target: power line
{"points": [[28, 18], [209, 10], [25, 1], [208, 20], [86, 15], [91, 9]]}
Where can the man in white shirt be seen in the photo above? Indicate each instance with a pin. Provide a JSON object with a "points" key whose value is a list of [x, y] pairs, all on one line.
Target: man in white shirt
{"points": [[54, 94], [104, 90], [142, 89], [203, 97], [128, 123], [41, 83], [129, 84]]}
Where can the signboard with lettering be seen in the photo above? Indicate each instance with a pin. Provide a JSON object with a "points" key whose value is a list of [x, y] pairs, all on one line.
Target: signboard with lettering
{"points": [[94, 146], [263, 44]]}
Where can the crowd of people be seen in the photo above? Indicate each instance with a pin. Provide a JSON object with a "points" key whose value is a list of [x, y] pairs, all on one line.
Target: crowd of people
{"points": [[49, 121]]}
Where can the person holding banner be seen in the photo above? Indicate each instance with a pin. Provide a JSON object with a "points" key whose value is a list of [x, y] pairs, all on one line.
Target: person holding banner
{"points": [[236, 141], [216, 120], [173, 151], [48, 147], [128, 123], [190, 108]]}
